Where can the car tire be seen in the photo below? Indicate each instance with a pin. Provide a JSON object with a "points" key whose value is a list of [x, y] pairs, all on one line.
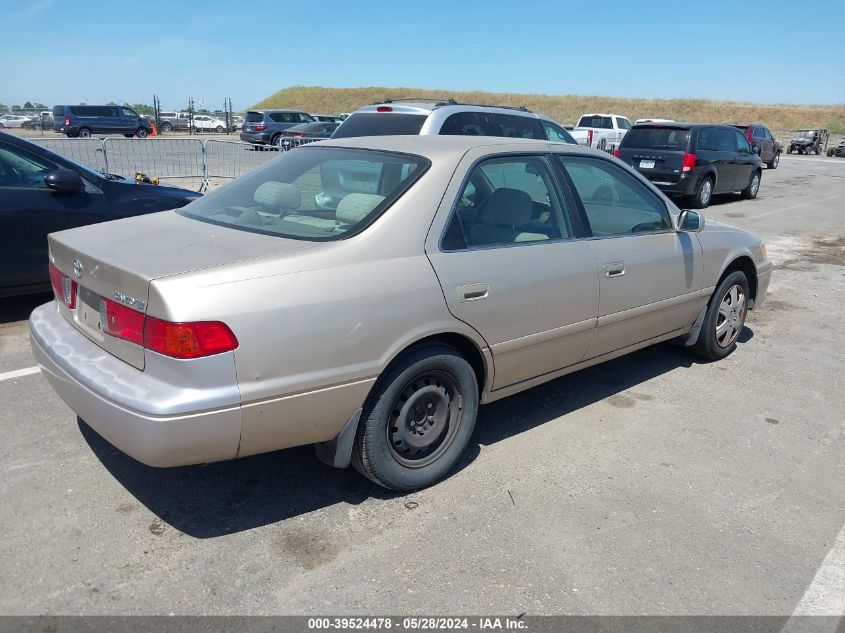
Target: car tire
{"points": [[789, 149], [775, 162], [830, 152], [753, 187], [2, 127], [431, 386], [220, 129], [275, 140], [703, 193], [166, 127], [141, 132], [84, 132], [724, 319]]}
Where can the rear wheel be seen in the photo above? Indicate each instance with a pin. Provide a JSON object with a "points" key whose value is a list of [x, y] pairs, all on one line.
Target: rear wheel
{"points": [[789, 149], [750, 192], [84, 132], [703, 193], [276, 140], [830, 152], [775, 162], [166, 127], [724, 319], [418, 420], [219, 129], [141, 132]]}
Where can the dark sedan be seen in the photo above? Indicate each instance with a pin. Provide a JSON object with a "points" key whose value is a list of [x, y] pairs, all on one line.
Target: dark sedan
{"points": [[42, 192], [305, 133]]}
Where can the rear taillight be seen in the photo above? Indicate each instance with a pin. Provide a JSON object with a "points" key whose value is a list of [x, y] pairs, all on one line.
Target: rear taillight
{"points": [[67, 121], [63, 286], [188, 340], [260, 128], [301, 135], [589, 138], [616, 152], [177, 340], [122, 322], [688, 163], [384, 109]]}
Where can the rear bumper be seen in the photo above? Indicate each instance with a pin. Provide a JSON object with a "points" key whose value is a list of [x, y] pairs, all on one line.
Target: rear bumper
{"points": [[160, 416], [262, 138], [678, 185]]}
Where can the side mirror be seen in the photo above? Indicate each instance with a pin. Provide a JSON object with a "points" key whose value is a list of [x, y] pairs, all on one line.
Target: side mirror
{"points": [[690, 221], [755, 150], [64, 180]]}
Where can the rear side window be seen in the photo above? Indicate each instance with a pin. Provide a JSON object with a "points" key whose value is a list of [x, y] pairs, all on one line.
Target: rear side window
{"points": [[86, 111], [623, 123], [283, 117], [656, 138], [509, 200], [469, 124], [615, 202], [725, 139], [556, 133], [254, 117], [707, 139], [380, 124], [514, 126]]}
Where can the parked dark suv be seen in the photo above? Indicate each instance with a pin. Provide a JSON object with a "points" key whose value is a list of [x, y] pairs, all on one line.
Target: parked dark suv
{"points": [[85, 120], [264, 127], [759, 136], [692, 159]]}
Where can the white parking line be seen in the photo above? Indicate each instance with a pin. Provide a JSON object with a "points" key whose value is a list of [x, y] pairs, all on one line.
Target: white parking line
{"points": [[826, 593], [19, 373]]}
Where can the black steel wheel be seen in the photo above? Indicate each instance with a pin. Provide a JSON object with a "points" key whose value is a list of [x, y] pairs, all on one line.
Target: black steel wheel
{"points": [[418, 420], [84, 132]]}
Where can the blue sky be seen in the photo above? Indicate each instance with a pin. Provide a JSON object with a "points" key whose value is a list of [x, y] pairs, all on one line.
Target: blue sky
{"points": [[67, 52]]}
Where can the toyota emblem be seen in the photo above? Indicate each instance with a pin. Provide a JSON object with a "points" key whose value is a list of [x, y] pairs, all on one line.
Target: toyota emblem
{"points": [[77, 268]]}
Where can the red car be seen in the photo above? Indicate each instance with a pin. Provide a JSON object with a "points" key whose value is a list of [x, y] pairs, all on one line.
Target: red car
{"points": [[759, 136]]}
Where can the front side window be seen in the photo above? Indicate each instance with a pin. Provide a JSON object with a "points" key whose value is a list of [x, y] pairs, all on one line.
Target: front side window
{"points": [[314, 193], [128, 114], [21, 169], [469, 124], [508, 200], [615, 202]]}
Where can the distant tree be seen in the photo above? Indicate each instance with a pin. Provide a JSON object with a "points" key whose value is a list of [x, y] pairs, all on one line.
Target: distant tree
{"points": [[3, 107], [40, 106], [15, 108], [114, 103], [28, 106], [141, 108]]}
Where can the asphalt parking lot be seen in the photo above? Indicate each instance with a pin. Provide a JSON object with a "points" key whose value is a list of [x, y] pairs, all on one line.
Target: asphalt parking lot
{"points": [[653, 484]]}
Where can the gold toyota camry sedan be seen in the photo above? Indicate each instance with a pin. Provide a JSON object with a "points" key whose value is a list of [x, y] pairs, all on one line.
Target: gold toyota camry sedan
{"points": [[366, 295]]}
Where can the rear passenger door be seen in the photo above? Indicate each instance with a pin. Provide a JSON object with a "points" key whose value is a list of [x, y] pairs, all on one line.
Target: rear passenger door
{"points": [[504, 249], [746, 162], [650, 276], [727, 162]]}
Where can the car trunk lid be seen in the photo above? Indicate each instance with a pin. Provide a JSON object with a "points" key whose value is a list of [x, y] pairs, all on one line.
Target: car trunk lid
{"points": [[116, 261]]}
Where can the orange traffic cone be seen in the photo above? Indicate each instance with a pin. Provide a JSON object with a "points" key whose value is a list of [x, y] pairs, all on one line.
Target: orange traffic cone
{"points": [[154, 131]]}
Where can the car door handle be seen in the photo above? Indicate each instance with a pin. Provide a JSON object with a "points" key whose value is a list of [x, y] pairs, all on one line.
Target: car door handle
{"points": [[472, 292], [614, 269]]}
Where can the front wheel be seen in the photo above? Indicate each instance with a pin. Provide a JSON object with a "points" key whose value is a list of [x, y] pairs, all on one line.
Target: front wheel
{"points": [[141, 132], [724, 319], [789, 149], [830, 152], [775, 162], [418, 420], [84, 132], [750, 192]]}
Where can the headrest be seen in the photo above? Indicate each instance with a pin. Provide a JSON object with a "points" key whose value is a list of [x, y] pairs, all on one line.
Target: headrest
{"points": [[277, 196], [508, 207], [356, 206]]}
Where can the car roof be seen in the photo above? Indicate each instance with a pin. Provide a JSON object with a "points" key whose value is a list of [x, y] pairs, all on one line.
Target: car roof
{"points": [[440, 145], [276, 110], [426, 106]]}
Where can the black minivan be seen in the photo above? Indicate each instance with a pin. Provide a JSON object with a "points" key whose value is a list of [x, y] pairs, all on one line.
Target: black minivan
{"points": [[693, 159], [85, 120]]}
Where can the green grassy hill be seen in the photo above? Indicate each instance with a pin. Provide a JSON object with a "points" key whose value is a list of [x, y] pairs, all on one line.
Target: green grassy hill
{"points": [[567, 108]]}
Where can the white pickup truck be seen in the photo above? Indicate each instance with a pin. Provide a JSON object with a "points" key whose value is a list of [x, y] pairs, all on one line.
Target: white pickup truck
{"points": [[602, 131]]}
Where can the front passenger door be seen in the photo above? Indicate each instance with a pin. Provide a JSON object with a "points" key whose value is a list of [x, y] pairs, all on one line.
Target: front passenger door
{"points": [[650, 276]]}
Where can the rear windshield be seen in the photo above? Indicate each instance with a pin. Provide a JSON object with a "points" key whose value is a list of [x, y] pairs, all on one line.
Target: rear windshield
{"points": [[380, 124], [656, 138], [254, 117], [312, 193], [593, 120], [58, 111]]}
